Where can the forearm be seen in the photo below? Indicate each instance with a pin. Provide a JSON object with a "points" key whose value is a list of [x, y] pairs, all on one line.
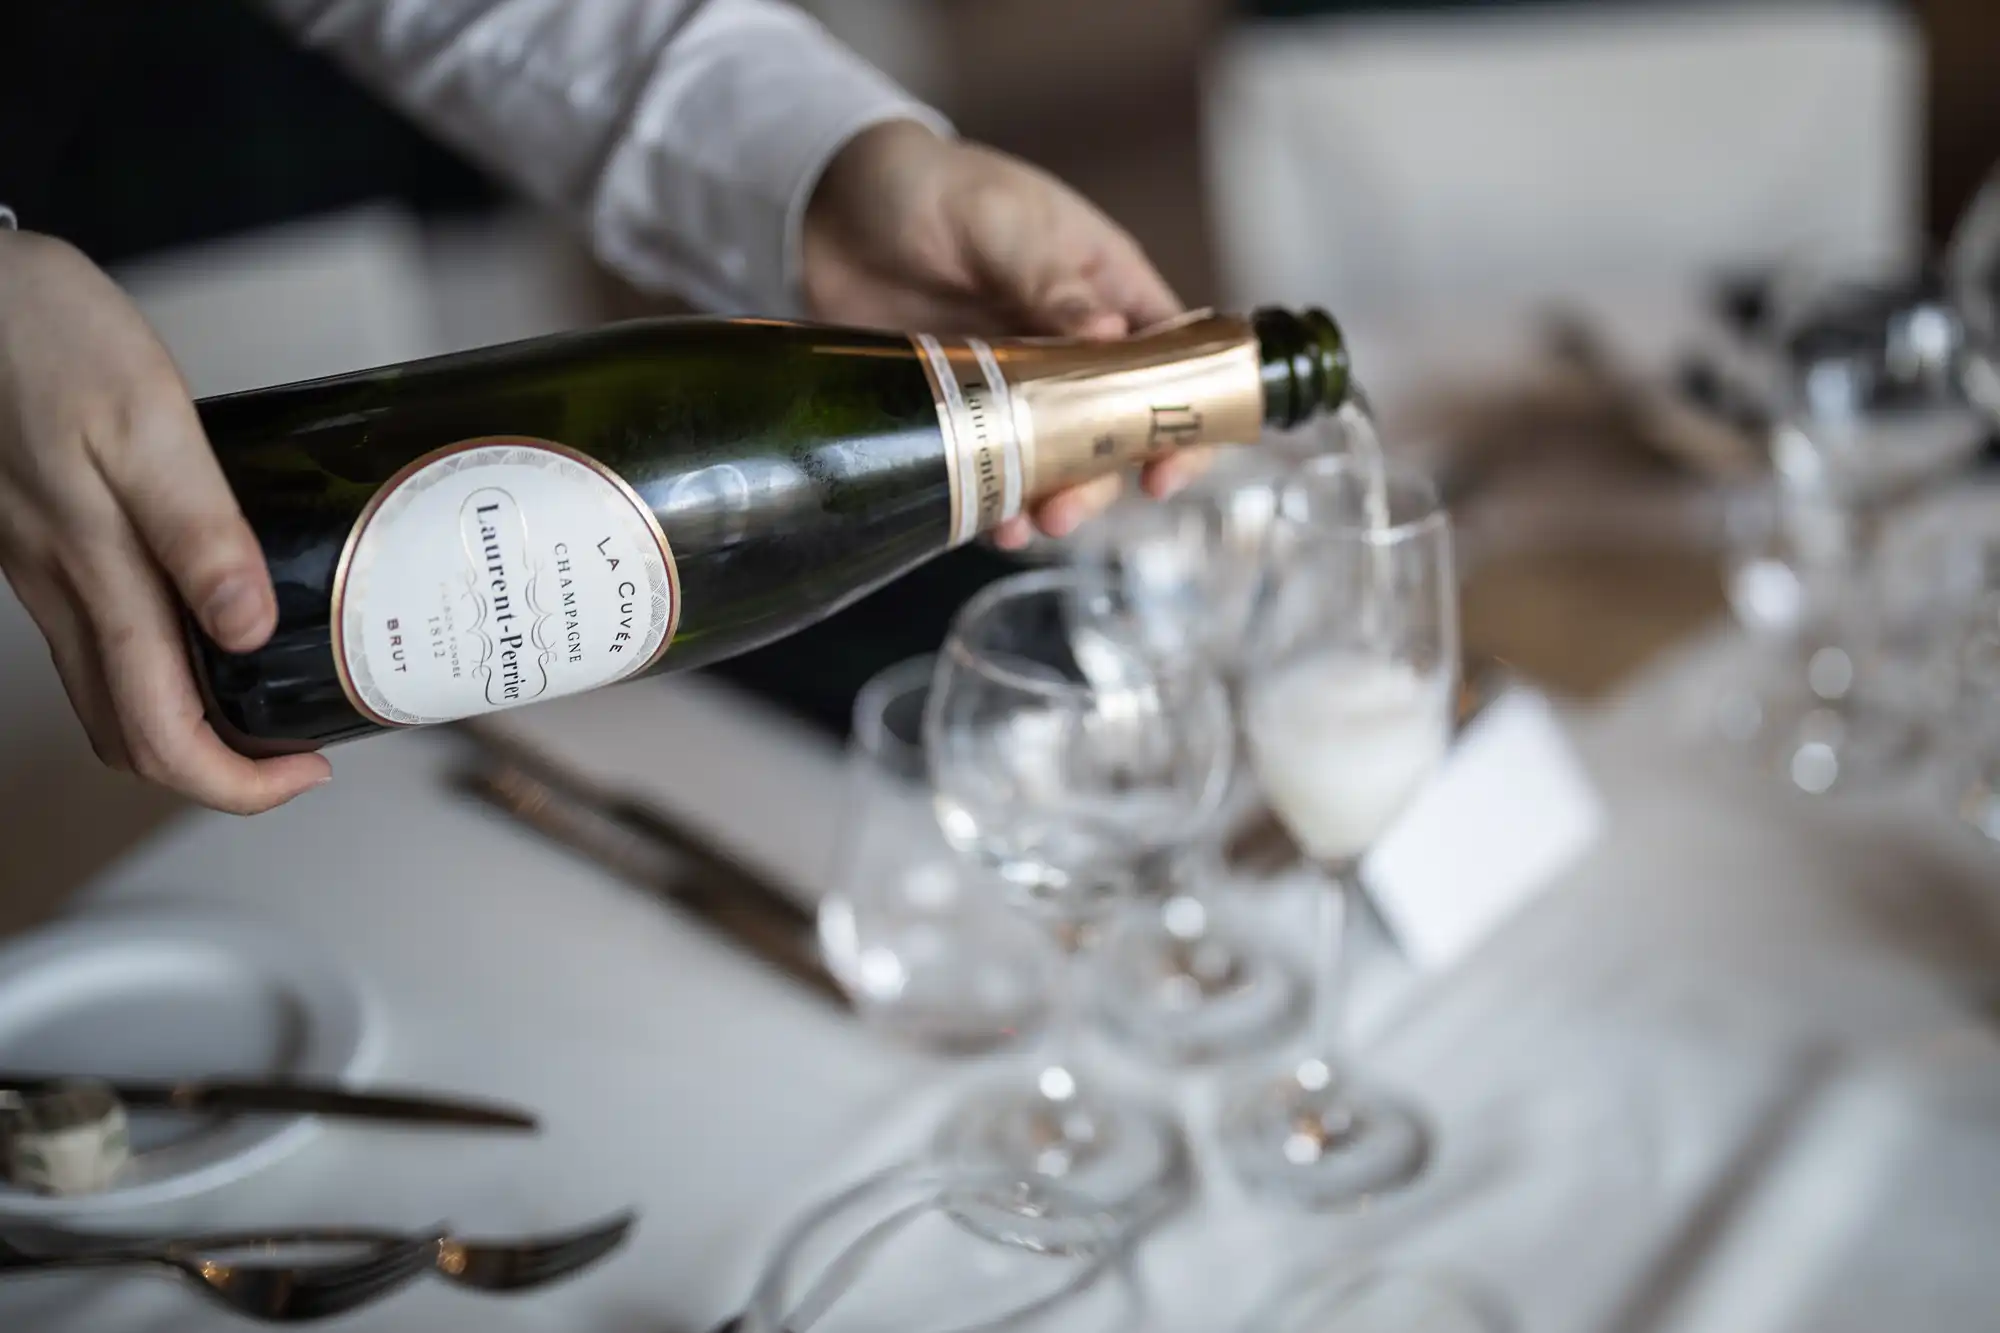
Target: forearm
{"points": [[682, 136]]}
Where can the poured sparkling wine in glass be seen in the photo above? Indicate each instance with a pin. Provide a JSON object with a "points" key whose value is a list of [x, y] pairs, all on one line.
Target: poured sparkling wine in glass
{"points": [[1346, 710], [1342, 742]]}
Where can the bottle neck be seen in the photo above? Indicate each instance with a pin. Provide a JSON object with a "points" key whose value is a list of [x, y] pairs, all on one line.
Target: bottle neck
{"points": [[1026, 418], [1304, 360]]}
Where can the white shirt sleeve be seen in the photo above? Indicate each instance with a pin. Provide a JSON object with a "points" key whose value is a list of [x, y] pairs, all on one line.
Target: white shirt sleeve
{"points": [[683, 136]]}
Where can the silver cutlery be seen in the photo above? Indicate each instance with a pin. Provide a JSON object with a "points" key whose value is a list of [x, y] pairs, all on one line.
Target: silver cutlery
{"points": [[478, 1265], [650, 849], [245, 1097], [534, 1262], [271, 1294]]}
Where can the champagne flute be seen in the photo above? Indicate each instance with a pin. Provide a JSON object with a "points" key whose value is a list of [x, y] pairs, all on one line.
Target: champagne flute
{"points": [[1347, 710], [1063, 757]]}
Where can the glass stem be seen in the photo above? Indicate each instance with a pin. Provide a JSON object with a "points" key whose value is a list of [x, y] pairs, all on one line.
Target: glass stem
{"points": [[1864, 534], [1834, 541], [1185, 872], [1180, 871], [1059, 1050], [1339, 901]]}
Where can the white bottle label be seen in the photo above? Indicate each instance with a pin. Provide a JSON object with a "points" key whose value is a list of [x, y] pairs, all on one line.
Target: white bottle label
{"points": [[495, 573], [982, 436]]}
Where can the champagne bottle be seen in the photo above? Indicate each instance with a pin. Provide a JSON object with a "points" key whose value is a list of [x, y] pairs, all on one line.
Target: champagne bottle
{"points": [[478, 531]]}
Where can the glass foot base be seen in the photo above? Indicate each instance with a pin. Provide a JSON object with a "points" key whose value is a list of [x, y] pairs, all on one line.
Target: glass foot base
{"points": [[1180, 989], [1321, 1142], [1122, 1154]]}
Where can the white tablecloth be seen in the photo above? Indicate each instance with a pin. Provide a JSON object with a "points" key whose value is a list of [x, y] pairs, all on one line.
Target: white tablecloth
{"points": [[1595, 1070]]}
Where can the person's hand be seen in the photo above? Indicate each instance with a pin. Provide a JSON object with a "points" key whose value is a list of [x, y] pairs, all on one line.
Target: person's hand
{"points": [[110, 500], [909, 230]]}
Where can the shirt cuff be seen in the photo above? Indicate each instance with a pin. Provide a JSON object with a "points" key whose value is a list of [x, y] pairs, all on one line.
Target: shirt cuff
{"points": [[707, 191]]}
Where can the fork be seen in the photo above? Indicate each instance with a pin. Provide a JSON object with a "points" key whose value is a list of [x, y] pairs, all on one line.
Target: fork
{"points": [[480, 1265], [271, 1294]]}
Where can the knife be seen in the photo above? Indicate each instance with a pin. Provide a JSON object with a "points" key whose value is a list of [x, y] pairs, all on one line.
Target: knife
{"points": [[227, 1096], [528, 764], [651, 850]]}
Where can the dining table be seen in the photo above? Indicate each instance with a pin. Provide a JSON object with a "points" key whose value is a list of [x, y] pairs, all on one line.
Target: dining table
{"points": [[1736, 1068]]}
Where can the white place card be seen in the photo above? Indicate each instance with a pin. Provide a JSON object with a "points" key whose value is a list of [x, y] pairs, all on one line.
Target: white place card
{"points": [[1510, 810]]}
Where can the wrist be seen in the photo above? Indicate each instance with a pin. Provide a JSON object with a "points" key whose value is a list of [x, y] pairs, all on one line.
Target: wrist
{"points": [[875, 170]]}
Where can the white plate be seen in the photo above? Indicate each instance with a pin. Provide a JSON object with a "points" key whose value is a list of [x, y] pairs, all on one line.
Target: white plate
{"points": [[157, 995]]}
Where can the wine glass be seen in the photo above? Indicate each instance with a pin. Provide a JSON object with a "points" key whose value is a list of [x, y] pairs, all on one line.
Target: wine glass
{"points": [[922, 947], [1976, 761], [1972, 277], [1941, 570], [1063, 757], [1874, 415], [922, 1249], [1347, 710], [1972, 273], [1783, 573], [1179, 978]]}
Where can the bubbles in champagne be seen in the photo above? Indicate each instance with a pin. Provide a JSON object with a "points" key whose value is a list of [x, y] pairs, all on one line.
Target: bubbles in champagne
{"points": [[1342, 741]]}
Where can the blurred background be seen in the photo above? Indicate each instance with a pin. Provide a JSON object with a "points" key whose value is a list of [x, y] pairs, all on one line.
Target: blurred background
{"points": [[1519, 209]]}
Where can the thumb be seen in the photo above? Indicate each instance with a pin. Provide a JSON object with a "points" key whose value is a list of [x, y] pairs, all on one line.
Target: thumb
{"points": [[169, 482]]}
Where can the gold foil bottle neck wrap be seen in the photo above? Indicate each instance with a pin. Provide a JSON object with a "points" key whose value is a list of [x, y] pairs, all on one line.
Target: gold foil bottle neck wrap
{"points": [[1026, 418]]}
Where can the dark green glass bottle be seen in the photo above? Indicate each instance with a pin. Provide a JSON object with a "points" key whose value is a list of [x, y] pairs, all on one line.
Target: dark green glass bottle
{"points": [[490, 529]]}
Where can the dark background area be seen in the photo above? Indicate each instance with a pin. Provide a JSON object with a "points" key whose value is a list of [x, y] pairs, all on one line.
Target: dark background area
{"points": [[133, 126]]}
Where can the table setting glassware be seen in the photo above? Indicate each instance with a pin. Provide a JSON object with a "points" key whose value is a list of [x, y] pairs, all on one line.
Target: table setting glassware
{"points": [[1181, 977], [1873, 415], [927, 950], [1974, 765], [1941, 570], [1063, 758], [1972, 279], [1782, 575], [916, 1249], [1347, 709]]}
